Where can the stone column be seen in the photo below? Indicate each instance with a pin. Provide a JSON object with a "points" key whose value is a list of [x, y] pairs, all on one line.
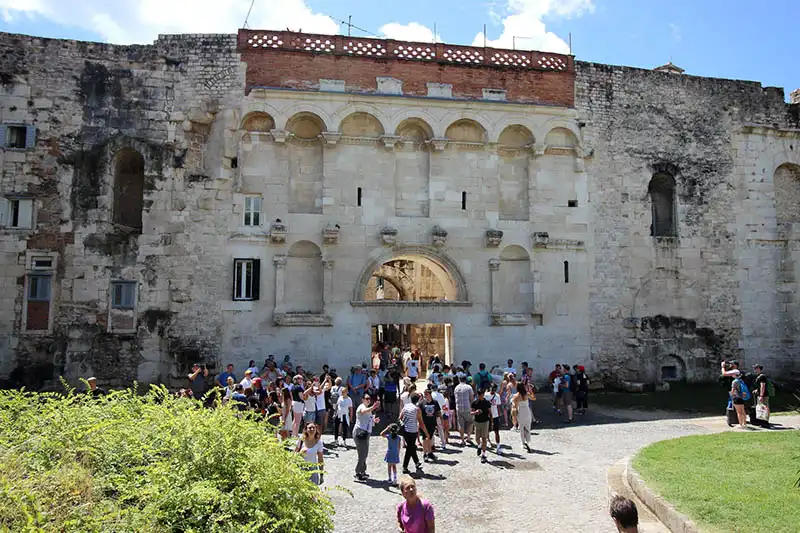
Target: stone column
{"points": [[327, 283], [280, 282], [494, 280]]}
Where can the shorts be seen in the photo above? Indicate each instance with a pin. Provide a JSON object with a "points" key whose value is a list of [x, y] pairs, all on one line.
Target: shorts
{"points": [[482, 430], [567, 397], [308, 416], [496, 423], [319, 418], [464, 420], [298, 407], [389, 396], [431, 429], [738, 401]]}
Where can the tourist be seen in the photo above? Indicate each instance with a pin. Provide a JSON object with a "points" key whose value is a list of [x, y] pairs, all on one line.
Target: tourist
{"points": [[405, 398], [761, 394], [94, 390], [530, 386], [310, 445], [333, 395], [392, 457], [413, 367], [310, 400], [568, 384], [356, 384], [412, 423], [494, 400], [271, 372], [251, 366], [390, 384], [481, 409], [511, 390], [431, 413], [197, 381], [273, 409], [373, 383], [298, 403], [439, 398], [464, 396], [230, 387], [435, 377], [321, 415], [239, 398], [222, 379], [551, 379], [523, 415], [365, 420], [247, 381], [624, 514], [286, 412], [582, 390], [414, 515], [740, 394], [558, 389], [343, 415], [482, 379]]}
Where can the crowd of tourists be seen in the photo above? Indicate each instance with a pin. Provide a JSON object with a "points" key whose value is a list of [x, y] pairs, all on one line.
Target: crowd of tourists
{"points": [[748, 394]]}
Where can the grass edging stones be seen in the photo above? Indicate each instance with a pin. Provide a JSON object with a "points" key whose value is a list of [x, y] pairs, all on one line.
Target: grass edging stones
{"points": [[728, 482]]}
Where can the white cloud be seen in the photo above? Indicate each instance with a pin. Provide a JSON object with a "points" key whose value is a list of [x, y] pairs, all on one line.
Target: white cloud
{"points": [[413, 31], [140, 21], [524, 27], [675, 31]]}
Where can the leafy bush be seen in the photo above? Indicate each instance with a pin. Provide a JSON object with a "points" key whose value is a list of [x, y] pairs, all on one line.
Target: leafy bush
{"points": [[127, 462]]}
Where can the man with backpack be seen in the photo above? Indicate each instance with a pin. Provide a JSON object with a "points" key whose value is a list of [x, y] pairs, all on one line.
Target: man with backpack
{"points": [[763, 388], [482, 379]]}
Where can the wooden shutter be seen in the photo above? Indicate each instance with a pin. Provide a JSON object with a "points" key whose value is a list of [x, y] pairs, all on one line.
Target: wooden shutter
{"points": [[235, 273], [2, 136], [256, 279], [3, 211], [30, 136], [25, 216]]}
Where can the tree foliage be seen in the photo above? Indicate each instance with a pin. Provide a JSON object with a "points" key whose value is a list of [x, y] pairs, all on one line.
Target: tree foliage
{"points": [[130, 462]]}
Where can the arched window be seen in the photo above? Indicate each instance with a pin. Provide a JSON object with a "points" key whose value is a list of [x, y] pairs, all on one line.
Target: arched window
{"points": [[662, 200], [129, 188]]}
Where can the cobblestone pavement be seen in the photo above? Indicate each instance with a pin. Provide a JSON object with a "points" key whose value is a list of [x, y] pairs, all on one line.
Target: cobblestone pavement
{"points": [[560, 486]]}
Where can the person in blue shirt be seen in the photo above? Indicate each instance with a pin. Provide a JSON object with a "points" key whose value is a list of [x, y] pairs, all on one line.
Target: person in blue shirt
{"points": [[222, 379], [356, 385]]}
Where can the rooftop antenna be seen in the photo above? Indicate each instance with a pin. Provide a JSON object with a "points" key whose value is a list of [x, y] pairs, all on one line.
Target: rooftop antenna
{"points": [[484, 36], [248, 14], [349, 24], [570, 43], [434, 33]]}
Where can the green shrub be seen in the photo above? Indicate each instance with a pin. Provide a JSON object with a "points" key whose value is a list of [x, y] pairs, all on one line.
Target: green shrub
{"points": [[127, 462]]}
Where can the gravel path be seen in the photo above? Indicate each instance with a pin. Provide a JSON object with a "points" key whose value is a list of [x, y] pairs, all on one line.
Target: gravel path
{"points": [[559, 487]]}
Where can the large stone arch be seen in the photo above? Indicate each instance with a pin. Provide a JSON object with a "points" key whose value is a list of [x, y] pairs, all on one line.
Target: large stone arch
{"points": [[441, 265]]}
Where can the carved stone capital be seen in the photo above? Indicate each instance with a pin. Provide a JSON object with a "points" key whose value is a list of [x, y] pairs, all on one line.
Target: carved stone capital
{"points": [[330, 234], [277, 232], [390, 141], [438, 144], [538, 149], [328, 264], [279, 136], [541, 239], [279, 261], [331, 137], [438, 235], [493, 238], [388, 235], [494, 264]]}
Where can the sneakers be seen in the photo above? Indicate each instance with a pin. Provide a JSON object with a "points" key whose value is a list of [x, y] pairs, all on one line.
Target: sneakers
{"points": [[406, 471], [478, 450], [418, 466], [432, 457], [483, 459]]}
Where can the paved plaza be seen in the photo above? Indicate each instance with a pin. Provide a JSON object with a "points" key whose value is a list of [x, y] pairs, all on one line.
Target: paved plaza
{"points": [[561, 486]]}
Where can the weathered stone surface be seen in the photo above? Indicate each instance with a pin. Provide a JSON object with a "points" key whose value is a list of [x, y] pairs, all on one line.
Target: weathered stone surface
{"points": [[565, 191]]}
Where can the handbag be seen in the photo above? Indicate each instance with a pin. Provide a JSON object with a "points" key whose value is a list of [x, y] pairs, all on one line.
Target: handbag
{"points": [[361, 434], [762, 411]]}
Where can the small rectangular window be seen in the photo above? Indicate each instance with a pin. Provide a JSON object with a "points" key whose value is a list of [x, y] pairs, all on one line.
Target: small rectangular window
{"points": [[15, 136], [252, 210], [566, 271], [572, 203], [234, 162], [359, 196], [464, 200], [246, 279], [123, 294], [19, 213], [42, 263], [39, 287]]}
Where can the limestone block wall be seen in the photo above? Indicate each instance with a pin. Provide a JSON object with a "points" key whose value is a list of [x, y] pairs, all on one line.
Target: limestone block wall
{"points": [[689, 295]]}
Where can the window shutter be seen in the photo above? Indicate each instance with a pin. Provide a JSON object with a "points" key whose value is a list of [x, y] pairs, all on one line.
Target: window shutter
{"points": [[256, 279], [2, 136], [25, 219], [235, 273], [3, 211], [30, 136]]}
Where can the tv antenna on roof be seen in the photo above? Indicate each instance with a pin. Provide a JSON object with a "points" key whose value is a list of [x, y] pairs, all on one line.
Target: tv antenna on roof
{"points": [[248, 14]]}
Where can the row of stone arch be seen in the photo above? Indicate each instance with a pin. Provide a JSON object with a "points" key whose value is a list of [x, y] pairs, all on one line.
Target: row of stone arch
{"points": [[308, 125]]}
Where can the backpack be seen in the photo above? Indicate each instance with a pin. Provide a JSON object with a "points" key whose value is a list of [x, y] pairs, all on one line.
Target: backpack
{"points": [[335, 394], [744, 392], [484, 380], [770, 388]]}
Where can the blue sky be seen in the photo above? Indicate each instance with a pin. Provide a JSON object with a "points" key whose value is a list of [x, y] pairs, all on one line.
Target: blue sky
{"points": [[727, 39]]}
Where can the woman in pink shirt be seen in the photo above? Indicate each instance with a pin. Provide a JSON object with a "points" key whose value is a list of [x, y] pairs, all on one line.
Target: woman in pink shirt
{"points": [[414, 515]]}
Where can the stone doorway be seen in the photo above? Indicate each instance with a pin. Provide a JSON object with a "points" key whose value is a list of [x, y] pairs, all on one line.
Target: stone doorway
{"points": [[429, 339]]}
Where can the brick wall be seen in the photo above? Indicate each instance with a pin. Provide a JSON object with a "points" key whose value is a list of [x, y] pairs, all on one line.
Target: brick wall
{"points": [[538, 78]]}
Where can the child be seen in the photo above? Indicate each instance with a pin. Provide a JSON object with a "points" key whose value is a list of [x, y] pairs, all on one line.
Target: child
{"points": [[392, 457]]}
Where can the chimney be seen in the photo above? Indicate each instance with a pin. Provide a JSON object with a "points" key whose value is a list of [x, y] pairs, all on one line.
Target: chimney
{"points": [[794, 96]]}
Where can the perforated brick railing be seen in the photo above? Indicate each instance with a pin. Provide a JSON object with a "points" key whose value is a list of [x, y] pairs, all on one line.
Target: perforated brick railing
{"points": [[251, 40]]}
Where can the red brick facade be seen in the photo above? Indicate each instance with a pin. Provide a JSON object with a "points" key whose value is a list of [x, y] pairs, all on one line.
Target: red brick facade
{"points": [[299, 61]]}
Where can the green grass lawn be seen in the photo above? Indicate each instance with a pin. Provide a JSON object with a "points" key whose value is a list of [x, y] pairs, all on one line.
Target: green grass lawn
{"points": [[692, 398], [729, 482]]}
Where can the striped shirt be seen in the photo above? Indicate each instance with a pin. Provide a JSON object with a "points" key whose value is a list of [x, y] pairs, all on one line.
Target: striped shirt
{"points": [[409, 417], [464, 395]]}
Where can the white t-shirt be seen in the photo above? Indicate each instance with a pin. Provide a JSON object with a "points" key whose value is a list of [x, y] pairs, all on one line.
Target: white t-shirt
{"points": [[364, 418], [311, 454], [413, 368], [343, 407], [310, 404], [494, 399], [405, 398], [440, 399], [246, 383], [510, 370], [320, 400], [556, 383], [254, 370]]}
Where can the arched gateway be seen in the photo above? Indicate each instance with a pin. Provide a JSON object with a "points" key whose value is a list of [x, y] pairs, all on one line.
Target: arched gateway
{"points": [[410, 295]]}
